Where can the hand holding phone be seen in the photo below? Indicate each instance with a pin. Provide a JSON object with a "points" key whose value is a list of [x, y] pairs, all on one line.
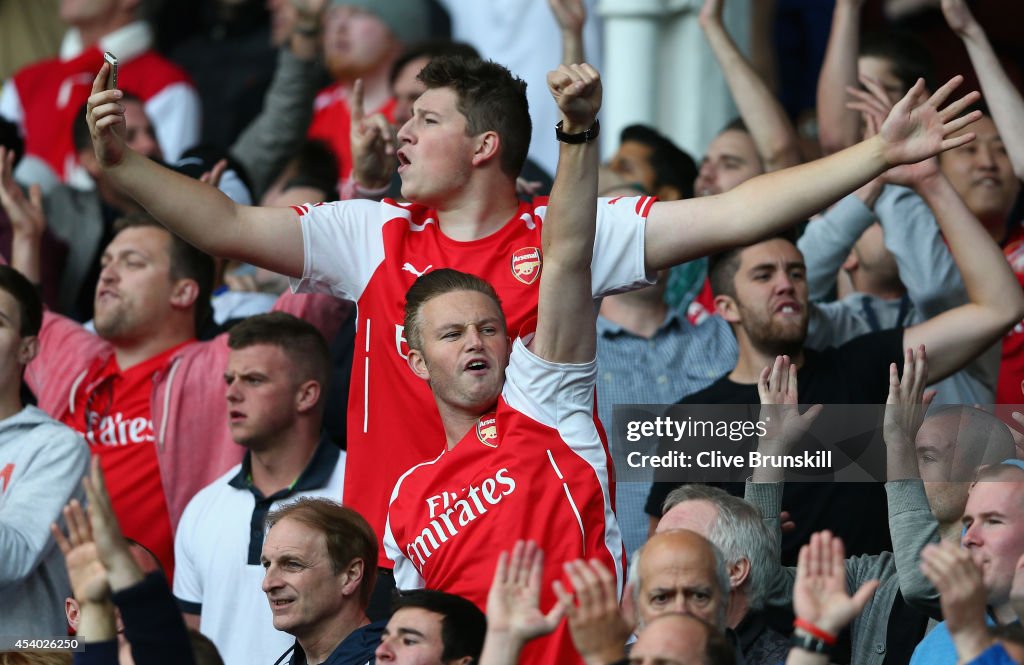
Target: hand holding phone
{"points": [[112, 75]]}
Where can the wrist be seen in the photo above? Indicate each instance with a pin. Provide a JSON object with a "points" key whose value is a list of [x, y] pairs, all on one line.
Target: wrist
{"points": [[820, 630], [577, 131]]}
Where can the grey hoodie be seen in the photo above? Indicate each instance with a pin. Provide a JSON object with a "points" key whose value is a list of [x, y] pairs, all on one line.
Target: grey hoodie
{"points": [[41, 466]]}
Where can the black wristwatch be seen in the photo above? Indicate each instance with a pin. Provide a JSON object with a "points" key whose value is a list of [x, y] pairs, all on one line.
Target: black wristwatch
{"points": [[802, 640], [583, 137]]}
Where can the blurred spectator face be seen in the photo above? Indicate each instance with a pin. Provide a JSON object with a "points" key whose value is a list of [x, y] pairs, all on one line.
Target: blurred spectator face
{"points": [[872, 256], [355, 42], [731, 160], [771, 294], [632, 163], [981, 172], [262, 392], [670, 640], [304, 592], [282, 20], [407, 89], [994, 530], [135, 288], [881, 70], [81, 12], [677, 576], [15, 351], [936, 445], [140, 134], [412, 637]]}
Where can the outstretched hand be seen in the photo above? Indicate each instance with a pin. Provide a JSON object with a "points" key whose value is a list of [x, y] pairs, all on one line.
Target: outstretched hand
{"points": [[916, 129], [819, 594], [86, 572], [962, 595], [777, 390], [372, 139], [111, 544], [908, 401], [599, 630], [577, 91], [26, 214], [105, 116], [513, 603]]}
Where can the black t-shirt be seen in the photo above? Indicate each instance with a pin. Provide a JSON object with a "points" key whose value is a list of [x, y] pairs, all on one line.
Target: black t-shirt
{"points": [[855, 373]]}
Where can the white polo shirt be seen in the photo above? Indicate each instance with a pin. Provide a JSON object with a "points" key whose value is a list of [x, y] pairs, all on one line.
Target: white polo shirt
{"points": [[217, 555]]}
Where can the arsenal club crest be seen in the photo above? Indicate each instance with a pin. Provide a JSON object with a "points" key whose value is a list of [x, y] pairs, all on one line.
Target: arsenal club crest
{"points": [[487, 431], [526, 264]]}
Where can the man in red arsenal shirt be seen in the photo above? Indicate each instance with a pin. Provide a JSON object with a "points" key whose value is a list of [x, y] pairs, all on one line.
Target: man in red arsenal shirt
{"points": [[147, 396], [460, 155], [520, 431]]}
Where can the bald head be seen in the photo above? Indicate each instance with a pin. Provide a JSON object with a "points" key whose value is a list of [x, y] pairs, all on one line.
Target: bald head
{"points": [[678, 639], [680, 572]]}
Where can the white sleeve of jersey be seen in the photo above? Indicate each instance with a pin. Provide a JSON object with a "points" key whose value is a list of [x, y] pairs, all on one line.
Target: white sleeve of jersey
{"points": [[343, 243], [406, 575], [188, 582], [560, 396], [618, 264]]}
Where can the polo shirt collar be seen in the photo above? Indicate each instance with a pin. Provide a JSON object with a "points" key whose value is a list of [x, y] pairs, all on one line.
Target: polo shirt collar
{"points": [[315, 476]]}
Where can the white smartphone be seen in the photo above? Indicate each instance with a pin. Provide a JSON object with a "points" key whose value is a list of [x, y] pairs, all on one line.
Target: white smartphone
{"points": [[112, 76]]}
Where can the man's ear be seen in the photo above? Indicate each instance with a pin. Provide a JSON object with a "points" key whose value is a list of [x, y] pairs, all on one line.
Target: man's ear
{"points": [[727, 308], [71, 611], [307, 396], [353, 575], [184, 293], [739, 573], [488, 145], [28, 350], [418, 364]]}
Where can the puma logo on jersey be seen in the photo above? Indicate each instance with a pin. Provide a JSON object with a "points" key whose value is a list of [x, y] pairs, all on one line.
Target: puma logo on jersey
{"points": [[526, 263], [408, 267]]}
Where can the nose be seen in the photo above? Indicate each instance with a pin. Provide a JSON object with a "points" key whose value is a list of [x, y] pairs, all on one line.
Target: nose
{"points": [[384, 653], [784, 283], [108, 273], [972, 536], [234, 395], [270, 580], [473, 339], [405, 133], [985, 157]]}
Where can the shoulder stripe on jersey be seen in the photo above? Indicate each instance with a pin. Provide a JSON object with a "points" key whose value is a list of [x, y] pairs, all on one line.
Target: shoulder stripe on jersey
{"points": [[647, 206]]}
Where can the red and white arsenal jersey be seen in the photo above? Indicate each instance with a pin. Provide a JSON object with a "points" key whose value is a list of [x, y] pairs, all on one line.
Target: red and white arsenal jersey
{"points": [[372, 252], [534, 470]]}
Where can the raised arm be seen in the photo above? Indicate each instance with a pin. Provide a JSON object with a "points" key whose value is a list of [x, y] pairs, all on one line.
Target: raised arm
{"points": [[838, 128], [566, 313], [1003, 99], [199, 213], [570, 15], [915, 129], [996, 301], [762, 113]]}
